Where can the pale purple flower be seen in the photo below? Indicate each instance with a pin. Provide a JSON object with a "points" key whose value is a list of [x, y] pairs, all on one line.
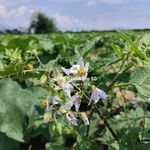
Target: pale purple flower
{"points": [[76, 101], [63, 84], [67, 87], [135, 104], [71, 118], [97, 94], [85, 118], [66, 107]]}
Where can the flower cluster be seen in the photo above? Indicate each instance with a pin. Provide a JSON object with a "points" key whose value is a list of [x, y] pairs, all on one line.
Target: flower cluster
{"points": [[74, 93]]}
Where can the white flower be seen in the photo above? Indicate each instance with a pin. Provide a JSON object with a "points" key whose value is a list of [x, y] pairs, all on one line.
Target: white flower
{"points": [[85, 118], [98, 94], [74, 69], [78, 70], [71, 118]]}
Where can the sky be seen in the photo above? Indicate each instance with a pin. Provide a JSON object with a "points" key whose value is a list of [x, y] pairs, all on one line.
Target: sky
{"points": [[77, 15]]}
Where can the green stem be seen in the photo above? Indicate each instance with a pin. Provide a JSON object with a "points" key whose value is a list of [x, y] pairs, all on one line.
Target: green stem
{"points": [[118, 74], [144, 117], [100, 114]]}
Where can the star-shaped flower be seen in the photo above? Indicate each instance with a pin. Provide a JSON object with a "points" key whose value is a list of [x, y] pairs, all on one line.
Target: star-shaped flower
{"points": [[84, 118], [71, 118], [64, 84], [97, 94], [76, 101], [79, 70]]}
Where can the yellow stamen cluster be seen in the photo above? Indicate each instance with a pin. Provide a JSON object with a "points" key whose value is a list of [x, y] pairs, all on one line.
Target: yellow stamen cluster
{"points": [[81, 72], [82, 114], [63, 111], [61, 81], [29, 66], [44, 102]]}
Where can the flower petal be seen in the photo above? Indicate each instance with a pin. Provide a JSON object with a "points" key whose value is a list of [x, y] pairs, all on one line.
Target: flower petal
{"points": [[102, 94], [76, 101], [77, 104], [81, 62], [85, 119], [55, 100], [71, 118], [66, 106], [95, 97], [66, 71], [74, 69], [67, 89]]}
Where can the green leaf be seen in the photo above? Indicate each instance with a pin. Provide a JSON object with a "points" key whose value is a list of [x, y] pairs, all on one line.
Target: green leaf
{"points": [[87, 47], [47, 44], [17, 109], [133, 47], [7, 143], [141, 80], [51, 146], [117, 49]]}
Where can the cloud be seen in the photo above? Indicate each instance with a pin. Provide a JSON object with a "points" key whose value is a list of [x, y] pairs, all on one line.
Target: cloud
{"points": [[18, 12], [95, 2], [64, 20]]}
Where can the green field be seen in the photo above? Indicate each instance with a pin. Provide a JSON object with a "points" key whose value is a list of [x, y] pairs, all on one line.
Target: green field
{"points": [[46, 107]]}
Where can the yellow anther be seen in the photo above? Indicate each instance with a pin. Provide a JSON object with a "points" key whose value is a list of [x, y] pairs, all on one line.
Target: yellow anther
{"points": [[81, 72], [29, 66], [63, 111], [44, 102]]}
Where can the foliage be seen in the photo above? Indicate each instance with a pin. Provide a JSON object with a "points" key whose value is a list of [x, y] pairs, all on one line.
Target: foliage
{"points": [[36, 108], [42, 24]]}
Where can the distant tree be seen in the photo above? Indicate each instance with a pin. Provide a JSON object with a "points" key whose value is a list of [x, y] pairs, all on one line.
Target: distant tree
{"points": [[8, 31], [14, 31], [40, 23]]}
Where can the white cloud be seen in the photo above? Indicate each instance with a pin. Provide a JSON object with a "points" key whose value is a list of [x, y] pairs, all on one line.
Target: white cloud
{"points": [[8, 12], [20, 11], [63, 20], [94, 2], [144, 0], [3, 11]]}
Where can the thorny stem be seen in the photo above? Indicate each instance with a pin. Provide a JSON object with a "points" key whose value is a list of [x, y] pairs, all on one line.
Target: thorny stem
{"points": [[118, 74], [144, 117], [49, 71], [40, 61], [100, 115], [105, 121]]}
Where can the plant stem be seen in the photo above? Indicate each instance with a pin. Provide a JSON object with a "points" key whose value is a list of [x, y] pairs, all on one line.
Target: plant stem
{"points": [[100, 115], [118, 74], [105, 121]]}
